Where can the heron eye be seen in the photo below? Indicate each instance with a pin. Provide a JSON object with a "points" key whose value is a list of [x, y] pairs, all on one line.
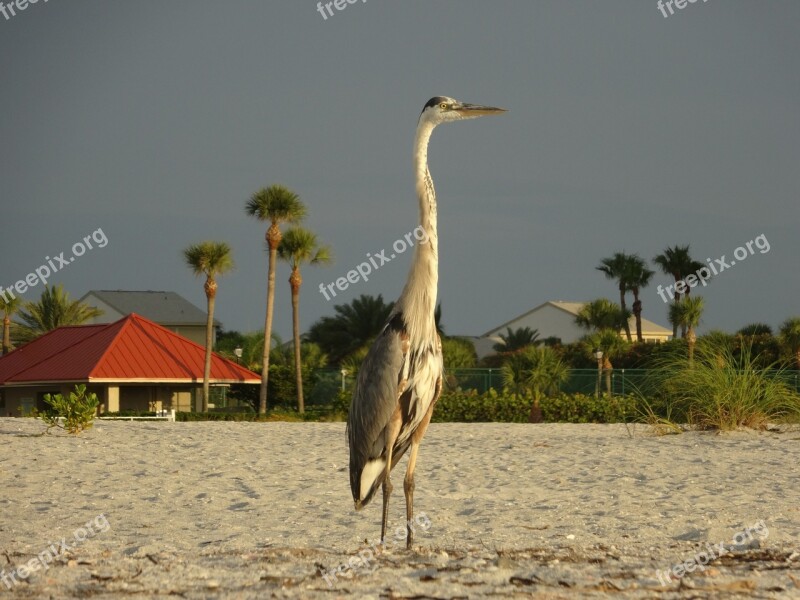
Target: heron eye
{"points": [[443, 105]]}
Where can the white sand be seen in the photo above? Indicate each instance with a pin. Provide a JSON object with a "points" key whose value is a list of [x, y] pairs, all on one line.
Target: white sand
{"points": [[244, 510]]}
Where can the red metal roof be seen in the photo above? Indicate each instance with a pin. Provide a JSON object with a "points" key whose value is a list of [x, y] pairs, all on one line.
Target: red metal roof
{"points": [[131, 349]]}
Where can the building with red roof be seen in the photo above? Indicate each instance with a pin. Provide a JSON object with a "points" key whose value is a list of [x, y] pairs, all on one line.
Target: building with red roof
{"points": [[131, 364]]}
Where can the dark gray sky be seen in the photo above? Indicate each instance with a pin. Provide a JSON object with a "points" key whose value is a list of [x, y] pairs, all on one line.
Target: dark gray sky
{"points": [[155, 121]]}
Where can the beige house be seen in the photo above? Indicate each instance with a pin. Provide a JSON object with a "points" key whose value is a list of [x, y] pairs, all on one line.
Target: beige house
{"points": [[557, 319]]}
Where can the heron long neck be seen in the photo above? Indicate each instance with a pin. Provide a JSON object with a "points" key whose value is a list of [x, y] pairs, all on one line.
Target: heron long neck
{"points": [[418, 300]]}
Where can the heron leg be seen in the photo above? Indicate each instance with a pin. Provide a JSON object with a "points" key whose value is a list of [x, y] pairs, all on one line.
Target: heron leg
{"points": [[387, 491], [408, 483], [408, 488], [391, 436]]}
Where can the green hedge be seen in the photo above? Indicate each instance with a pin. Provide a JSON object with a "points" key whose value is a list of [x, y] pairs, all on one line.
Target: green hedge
{"points": [[489, 407], [508, 407], [468, 407], [579, 408]]}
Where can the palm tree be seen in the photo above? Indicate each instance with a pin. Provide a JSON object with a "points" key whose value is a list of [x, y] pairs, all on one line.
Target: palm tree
{"points": [[210, 259], [54, 309], [639, 276], [617, 267], [602, 314], [677, 262], [518, 339], [790, 337], [605, 320], [354, 326], [277, 205], [611, 345], [298, 247], [631, 273], [687, 313], [539, 370], [9, 307]]}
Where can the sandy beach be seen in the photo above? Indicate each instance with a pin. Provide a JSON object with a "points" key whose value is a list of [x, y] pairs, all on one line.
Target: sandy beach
{"points": [[259, 510]]}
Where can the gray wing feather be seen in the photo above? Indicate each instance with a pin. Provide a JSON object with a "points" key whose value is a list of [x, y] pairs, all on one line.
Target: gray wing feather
{"points": [[374, 399]]}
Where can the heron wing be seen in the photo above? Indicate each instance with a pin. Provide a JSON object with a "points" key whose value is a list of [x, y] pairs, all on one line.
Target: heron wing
{"points": [[374, 402], [392, 373]]}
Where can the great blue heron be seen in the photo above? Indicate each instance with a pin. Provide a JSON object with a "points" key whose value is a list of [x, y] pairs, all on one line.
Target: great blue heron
{"points": [[401, 377]]}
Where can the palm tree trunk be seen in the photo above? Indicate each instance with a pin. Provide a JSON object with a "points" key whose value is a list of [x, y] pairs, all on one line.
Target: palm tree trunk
{"points": [[608, 367], [295, 281], [535, 415], [599, 377], [210, 295], [622, 304], [677, 301], [637, 312], [684, 329], [797, 358], [691, 338], [6, 334], [273, 239]]}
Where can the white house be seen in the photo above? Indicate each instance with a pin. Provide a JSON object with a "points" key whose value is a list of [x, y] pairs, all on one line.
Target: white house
{"points": [[557, 319]]}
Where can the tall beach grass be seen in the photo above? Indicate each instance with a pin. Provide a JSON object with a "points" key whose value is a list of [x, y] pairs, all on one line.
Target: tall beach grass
{"points": [[722, 388]]}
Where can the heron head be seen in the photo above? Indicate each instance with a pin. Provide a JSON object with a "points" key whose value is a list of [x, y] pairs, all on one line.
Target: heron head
{"points": [[441, 109]]}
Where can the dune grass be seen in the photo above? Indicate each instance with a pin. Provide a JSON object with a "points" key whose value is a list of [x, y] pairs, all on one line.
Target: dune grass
{"points": [[721, 388]]}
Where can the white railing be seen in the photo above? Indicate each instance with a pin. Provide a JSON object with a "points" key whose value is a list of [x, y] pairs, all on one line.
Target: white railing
{"points": [[163, 415]]}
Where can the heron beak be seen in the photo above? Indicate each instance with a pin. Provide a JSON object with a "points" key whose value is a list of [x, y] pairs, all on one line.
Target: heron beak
{"points": [[476, 110]]}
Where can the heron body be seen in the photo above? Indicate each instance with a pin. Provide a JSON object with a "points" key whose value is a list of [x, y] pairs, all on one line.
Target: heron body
{"points": [[400, 379]]}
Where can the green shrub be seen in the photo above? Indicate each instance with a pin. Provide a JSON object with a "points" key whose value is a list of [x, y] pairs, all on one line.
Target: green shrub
{"points": [[509, 407], [579, 408], [723, 388], [78, 410]]}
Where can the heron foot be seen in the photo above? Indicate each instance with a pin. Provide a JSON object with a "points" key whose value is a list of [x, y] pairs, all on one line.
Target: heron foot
{"points": [[387, 491], [408, 488]]}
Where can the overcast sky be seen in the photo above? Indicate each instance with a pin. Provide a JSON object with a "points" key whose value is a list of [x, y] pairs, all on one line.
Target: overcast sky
{"points": [[626, 130]]}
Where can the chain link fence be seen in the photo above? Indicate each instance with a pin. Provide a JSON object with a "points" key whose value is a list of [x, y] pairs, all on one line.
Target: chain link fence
{"points": [[581, 381]]}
